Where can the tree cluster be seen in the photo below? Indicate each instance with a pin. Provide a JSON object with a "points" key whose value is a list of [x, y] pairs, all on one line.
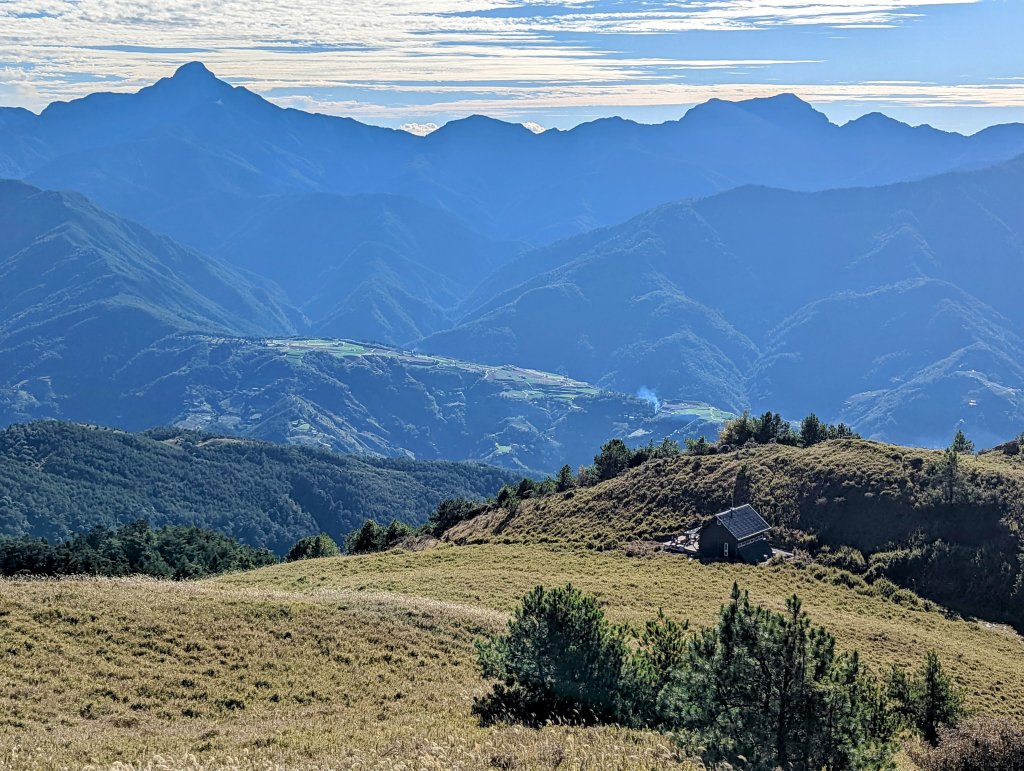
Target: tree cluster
{"points": [[372, 537], [760, 689], [169, 552], [771, 427], [313, 547]]}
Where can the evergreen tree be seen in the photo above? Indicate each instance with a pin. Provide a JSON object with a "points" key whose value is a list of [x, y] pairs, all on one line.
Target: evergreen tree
{"points": [[566, 480], [559, 660], [449, 513], [370, 537], [738, 431], [396, 532], [768, 690], [813, 431], [660, 655], [508, 499], [961, 444], [934, 701], [612, 460], [949, 475]]}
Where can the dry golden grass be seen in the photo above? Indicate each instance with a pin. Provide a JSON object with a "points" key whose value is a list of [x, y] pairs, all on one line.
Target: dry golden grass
{"points": [[853, 492], [159, 675], [367, 662]]}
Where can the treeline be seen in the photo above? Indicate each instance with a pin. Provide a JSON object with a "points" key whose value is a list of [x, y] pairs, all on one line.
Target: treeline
{"points": [[772, 428], [759, 690], [135, 549]]}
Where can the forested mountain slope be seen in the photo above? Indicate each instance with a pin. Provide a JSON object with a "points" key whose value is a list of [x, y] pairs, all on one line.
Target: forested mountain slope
{"points": [[896, 309], [58, 479]]}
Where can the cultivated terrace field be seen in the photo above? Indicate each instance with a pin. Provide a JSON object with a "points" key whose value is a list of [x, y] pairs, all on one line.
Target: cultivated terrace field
{"points": [[368, 662]]}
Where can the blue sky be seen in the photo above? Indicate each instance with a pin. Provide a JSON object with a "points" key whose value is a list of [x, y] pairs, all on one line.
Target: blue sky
{"points": [[957, 65]]}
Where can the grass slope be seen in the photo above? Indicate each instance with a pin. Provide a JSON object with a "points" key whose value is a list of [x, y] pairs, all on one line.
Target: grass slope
{"points": [[880, 499], [368, 661], [853, 491]]}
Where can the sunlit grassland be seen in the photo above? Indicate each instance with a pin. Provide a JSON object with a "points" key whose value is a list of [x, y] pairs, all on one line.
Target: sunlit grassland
{"points": [[163, 675], [985, 658], [367, 662]]}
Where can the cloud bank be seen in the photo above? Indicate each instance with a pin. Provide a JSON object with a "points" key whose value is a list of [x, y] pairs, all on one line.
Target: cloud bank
{"points": [[416, 62]]}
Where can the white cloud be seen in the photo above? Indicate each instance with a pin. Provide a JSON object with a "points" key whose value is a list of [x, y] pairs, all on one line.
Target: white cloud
{"points": [[423, 62], [66, 44], [419, 129]]}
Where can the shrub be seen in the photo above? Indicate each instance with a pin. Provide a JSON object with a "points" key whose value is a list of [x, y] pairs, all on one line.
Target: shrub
{"points": [[981, 744], [449, 513], [314, 546], [559, 660], [843, 558]]}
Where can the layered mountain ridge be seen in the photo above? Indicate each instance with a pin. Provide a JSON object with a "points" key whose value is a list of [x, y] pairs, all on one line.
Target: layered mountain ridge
{"points": [[881, 288]]}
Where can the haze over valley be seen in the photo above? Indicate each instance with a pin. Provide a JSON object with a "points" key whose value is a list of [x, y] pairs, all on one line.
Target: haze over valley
{"points": [[706, 261]]}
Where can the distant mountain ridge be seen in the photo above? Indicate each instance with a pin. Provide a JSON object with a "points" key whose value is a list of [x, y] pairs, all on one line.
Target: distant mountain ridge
{"points": [[192, 143], [716, 260], [894, 308]]}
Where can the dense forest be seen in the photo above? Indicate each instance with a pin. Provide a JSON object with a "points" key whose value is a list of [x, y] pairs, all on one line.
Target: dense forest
{"points": [[134, 549], [60, 479]]}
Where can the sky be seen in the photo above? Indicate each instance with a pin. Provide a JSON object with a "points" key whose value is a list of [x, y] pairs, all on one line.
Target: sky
{"points": [[955, 64]]}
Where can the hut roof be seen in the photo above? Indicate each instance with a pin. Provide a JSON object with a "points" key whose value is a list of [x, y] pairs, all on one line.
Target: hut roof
{"points": [[743, 522]]}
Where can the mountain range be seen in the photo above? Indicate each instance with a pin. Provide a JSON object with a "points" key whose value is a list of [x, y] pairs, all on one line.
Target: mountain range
{"points": [[220, 262]]}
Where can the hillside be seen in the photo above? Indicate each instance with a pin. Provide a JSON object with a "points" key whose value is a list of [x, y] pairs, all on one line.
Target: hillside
{"points": [[370, 267], [894, 309], [85, 291], [58, 479], [105, 322], [368, 660], [881, 500], [359, 398]]}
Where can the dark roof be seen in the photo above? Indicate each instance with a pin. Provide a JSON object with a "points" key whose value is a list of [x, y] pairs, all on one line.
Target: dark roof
{"points": [[743, 522], [755, 552]]}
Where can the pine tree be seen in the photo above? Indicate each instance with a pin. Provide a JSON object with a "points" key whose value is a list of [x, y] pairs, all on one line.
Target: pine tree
{"points": [[566, 480], [768, 690], [961, 444], [935, 701]]}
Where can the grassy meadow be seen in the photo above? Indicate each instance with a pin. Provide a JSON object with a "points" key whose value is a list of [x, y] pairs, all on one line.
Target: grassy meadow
{"points": [[367, 662]]}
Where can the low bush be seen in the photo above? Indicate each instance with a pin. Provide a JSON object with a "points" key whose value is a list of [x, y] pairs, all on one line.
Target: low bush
{"points": [[981, 744]]}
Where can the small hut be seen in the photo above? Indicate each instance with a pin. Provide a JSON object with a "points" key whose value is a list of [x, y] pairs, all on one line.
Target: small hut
{"points": [[739, 534]]}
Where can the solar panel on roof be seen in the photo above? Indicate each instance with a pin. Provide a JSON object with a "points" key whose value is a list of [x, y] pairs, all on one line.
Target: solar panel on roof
{"points": [[743, 522]]}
